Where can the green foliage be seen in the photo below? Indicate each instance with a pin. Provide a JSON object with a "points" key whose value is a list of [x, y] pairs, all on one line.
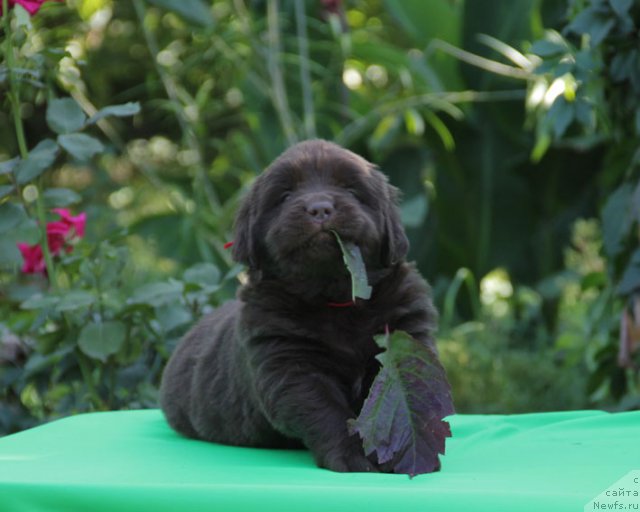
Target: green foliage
{"points": [[36, 162], [502, 127], [352, 257], [194, 11], [598, 62], [103, 339]]}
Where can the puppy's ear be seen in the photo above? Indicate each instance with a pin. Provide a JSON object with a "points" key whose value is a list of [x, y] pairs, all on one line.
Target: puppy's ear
{"points": [[244, 248], [395, 244]]}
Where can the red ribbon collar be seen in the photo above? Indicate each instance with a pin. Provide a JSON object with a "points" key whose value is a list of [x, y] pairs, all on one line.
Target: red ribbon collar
{"points": [[348, 304]]}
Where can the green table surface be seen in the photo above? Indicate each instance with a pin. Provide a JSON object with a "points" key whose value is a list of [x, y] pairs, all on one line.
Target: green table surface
{"points": [[132, 461]]}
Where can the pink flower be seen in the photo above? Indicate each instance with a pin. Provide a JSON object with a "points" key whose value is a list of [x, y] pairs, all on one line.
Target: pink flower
{"points": [[77, 222], [33, 259], [57, 236], [31, 6], [60, 235]]}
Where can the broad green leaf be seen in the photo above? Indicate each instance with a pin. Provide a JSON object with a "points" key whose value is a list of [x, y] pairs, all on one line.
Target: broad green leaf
{"points": [[9, 165], [124, 110], [170, 316], [401, 420], [58, 197], [157, 294], [561, 114], [635, 201], [23, 18], [25, 231], [75, 299], [196, 12], [40, 301], [593, 22], [623, 64], [6, 190], [28, 231], [203, 274], [546, 48], [38, 362], [64, 115], [100, 340], [355, 265], [630, 281], [621, 7], [616, 219], [11, 215], [9, 254], [80, 145], [39, 159], [585, 114]]}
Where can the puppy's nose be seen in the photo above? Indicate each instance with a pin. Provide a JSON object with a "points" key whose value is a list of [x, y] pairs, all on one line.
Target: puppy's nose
{"points": [[320, 211]]}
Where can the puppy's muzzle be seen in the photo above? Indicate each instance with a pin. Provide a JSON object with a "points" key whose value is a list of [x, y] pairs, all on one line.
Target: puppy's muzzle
{"points": [[319, 209]]}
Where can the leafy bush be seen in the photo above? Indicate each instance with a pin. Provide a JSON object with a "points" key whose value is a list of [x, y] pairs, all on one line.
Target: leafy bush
{"points": [[223, 88], [596, 64], [85, 328]]}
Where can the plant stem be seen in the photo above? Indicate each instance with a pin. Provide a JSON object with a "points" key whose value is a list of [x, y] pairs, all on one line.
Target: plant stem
{"points": [[463, 276], [275, 71], [202, 184], [482, 62], [48, 258], [14, 97], [445, 101], [487, 167], [305, 76], [14, 101], [96, 400]]}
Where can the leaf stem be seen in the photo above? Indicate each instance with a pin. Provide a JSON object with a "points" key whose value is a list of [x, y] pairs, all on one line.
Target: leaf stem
{"points": [[444, 101], [201, 185], [463, 275], [275, 71], [482, 62], [305, 76], [14, 101], [96, 400], [14, 92], [42, 223]]}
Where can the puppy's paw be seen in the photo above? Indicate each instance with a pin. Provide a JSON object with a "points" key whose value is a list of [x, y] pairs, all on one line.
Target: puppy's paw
{"points": [[347, 458]]}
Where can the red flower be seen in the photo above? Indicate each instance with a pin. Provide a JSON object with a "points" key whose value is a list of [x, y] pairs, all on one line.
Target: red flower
{"points": [[33, 259], [60, 235], [31, 6], [76, 223]]}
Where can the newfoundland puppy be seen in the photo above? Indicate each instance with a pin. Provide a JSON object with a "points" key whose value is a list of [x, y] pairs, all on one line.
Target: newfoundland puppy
{"points": [[290, 361]]}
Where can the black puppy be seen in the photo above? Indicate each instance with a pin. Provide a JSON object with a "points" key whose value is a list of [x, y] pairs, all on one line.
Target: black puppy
{"points": [[292, 360]]}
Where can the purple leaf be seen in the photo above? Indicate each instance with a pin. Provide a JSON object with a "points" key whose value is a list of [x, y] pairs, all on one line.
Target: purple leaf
{"points": [[402, 418]]}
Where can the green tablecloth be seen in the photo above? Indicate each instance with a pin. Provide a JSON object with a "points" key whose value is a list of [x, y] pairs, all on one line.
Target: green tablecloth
{"points": [[132, 461]]}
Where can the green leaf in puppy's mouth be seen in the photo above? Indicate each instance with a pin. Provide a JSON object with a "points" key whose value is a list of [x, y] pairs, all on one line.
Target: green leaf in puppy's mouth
{"points": [[355, 265]]}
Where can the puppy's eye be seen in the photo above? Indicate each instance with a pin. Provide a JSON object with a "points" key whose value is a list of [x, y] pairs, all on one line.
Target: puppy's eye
{"points": [[354, 192], [285, 196]]}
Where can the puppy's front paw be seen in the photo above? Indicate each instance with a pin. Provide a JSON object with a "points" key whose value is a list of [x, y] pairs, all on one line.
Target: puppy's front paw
{"points": [[347, 458]]}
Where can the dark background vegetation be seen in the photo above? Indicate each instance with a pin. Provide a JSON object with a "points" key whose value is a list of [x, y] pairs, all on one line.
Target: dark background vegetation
{"points": [[512, 129]]}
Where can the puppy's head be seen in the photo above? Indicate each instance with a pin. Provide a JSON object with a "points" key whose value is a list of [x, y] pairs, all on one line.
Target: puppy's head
{"points": [[286, 221]]}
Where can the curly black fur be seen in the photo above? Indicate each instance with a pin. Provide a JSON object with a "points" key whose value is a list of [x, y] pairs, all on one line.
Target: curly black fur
{"points": [[279, 367]]}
